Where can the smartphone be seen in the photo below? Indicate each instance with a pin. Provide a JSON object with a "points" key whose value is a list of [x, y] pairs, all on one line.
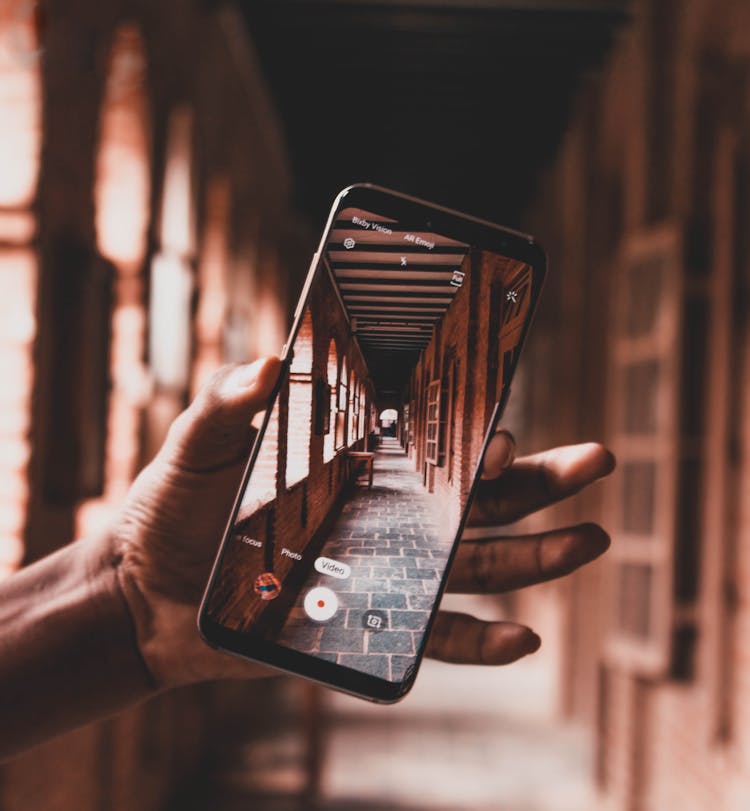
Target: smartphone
{"points": [[395, 374]]}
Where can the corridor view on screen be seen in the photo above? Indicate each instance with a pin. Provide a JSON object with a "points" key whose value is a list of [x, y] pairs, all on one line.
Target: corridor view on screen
{"points": [[349, 515]]}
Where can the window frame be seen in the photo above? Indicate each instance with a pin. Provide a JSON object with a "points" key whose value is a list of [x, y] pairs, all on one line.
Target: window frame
{"points": [[339, 442], [650, 655], [432, 421]]}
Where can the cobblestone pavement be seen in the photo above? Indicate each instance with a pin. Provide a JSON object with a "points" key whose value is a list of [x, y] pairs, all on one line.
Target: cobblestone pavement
{"points": [[390, 537]]}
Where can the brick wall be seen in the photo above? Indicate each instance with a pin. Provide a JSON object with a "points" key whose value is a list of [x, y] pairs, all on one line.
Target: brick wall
{"points": [[137, 760], [661, 137], [296, 513], [463, 347]]}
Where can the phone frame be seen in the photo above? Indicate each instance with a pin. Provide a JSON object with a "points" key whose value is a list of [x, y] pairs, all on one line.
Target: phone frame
{"points": [[448, 223]]}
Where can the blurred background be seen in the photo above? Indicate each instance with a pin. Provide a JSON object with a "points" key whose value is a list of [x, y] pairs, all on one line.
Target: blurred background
{"points": [[165, 169]]}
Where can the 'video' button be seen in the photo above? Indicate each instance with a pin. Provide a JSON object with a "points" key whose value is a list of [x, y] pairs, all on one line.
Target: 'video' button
{"points": [[332, 568]]}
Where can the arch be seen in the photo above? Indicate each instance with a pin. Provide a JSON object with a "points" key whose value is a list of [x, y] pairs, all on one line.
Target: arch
{"points": [[299, 411], [388, 416], [332, 370], [389, 422]]}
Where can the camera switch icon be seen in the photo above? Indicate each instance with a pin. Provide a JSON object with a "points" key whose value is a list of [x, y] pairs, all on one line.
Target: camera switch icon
{"points": [[375, 621]]}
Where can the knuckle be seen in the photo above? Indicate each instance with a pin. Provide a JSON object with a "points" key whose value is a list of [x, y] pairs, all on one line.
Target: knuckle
{"points": [[569, 547], [218, 377], [440, 636], [179, 427], [558, 553]]}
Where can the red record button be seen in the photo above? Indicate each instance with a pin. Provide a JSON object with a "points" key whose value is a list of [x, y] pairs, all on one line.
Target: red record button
{"points": [[321, 604]]}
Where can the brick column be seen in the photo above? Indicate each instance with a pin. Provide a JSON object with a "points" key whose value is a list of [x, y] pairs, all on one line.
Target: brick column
{"points": [[20, 109]]}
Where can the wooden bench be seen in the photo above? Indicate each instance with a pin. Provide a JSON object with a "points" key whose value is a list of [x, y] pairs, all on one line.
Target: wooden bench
{"points": [[357, 460]]}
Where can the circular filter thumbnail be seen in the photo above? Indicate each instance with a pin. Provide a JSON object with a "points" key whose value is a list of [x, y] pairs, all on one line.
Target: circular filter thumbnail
{"points": [[267, 586]]}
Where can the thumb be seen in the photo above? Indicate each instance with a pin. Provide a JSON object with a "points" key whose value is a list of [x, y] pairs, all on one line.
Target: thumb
{"points": [[215, 431]]}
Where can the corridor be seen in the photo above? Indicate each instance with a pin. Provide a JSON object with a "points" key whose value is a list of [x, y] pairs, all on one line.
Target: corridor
{"points": [[388, 535]]}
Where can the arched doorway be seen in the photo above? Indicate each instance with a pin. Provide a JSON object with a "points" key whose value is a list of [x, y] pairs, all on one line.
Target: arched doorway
{"points": [[388, 421], [332, 376]]}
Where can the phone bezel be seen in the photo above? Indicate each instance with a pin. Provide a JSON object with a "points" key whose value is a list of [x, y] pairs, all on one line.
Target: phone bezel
{"points": [[446, 222]]}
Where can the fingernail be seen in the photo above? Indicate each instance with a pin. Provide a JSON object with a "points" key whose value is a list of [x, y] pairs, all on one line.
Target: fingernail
{"points": [[600, 543], [534, 643], [510, 451], [610, 463]]}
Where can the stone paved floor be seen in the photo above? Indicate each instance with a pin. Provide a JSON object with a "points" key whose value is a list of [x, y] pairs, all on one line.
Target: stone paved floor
{"points": [[390, 537]]}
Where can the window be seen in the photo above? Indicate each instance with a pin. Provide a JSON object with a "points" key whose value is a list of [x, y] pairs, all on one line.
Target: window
{"points": [[341, 406], [449, 432], [439, 416], [649, 503], [353, 410], [432, 451]]}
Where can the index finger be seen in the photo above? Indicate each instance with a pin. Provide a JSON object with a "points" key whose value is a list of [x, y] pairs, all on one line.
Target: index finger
{"points": [[535, 482]]}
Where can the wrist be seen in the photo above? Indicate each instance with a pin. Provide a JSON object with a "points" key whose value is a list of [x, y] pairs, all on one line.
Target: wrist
{"points": [[166, 630], [159, 627], [68, 652]]}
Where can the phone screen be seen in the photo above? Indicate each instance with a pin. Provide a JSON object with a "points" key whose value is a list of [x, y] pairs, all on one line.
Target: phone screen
{"points": [[346, 523]]}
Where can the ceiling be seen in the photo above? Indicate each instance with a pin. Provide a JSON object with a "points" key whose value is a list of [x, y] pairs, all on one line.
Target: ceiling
{"points": [[459, 102], [395, 283]]}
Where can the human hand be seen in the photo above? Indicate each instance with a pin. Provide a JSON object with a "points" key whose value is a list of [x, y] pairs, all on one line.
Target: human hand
{"points": [[168, 530], [508, 491]]}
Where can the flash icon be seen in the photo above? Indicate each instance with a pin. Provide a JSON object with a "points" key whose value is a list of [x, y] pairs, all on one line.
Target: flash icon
{"points": [[403, 261]]}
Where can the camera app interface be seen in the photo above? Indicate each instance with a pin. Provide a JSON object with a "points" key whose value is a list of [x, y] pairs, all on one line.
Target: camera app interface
{"points": [[349, 514]]}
